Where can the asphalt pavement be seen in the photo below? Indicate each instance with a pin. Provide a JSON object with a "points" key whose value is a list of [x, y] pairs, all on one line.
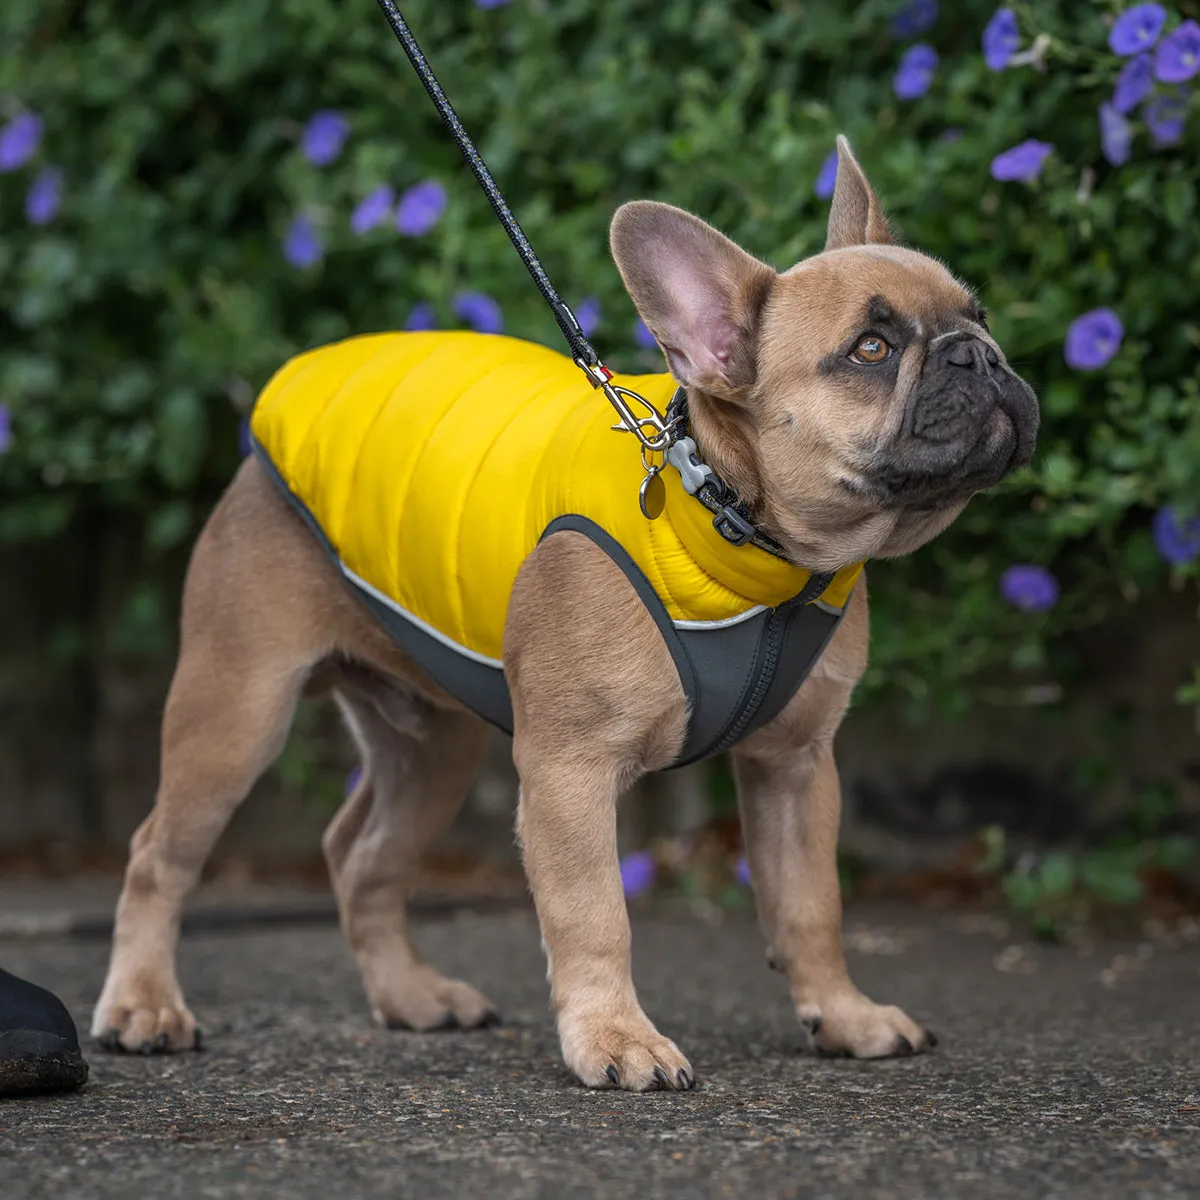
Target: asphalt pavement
{"points": [[1061, 1072]]}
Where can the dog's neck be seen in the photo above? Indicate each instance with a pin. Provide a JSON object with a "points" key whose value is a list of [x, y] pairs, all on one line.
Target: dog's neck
{"points": [[722, 436]]}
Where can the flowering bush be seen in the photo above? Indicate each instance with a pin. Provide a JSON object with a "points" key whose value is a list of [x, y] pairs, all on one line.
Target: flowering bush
{"points": [[189, 198]]}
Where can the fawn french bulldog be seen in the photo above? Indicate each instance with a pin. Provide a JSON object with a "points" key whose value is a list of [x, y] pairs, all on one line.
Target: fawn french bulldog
{"points": [[444, 531]]}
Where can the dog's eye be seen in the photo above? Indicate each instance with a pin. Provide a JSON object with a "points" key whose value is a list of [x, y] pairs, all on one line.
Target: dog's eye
{"points": [[870, 350]]}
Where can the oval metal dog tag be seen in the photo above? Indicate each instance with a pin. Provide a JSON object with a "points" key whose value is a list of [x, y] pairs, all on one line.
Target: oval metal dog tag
{"points": [[652, 496]]}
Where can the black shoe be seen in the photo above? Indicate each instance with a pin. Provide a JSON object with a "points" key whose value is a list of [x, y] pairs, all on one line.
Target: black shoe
{"points": [[39, 1048]]}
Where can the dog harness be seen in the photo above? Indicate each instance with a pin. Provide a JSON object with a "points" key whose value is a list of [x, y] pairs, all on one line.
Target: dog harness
{"points": [[430, 465]]}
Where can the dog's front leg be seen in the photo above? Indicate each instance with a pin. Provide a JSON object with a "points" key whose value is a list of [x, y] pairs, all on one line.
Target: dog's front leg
{"points": [[790, 802], [596, 701]]}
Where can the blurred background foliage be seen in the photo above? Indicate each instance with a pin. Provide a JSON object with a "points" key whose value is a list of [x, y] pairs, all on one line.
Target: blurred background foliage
{"points": [[154, 288]]}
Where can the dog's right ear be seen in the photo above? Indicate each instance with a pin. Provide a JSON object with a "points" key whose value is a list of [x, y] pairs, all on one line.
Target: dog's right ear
{"points": [[855, 215], [700, 294]]}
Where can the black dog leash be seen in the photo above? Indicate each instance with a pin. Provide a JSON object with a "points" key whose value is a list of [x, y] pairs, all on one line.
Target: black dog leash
{"points": [[658, 438], [658, 434]]}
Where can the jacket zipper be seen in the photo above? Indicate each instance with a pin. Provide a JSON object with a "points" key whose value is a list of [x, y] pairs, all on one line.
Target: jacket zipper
{"points": [[762, 682]]}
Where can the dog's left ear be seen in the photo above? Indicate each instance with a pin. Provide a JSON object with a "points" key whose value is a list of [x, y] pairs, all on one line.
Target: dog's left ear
{"points": [[700, 294], [855, 215]]}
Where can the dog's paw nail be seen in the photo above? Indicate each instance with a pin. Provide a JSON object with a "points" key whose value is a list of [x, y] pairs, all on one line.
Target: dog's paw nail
{"points": [[931, 1039], [491, 1019], [161, 1042], [903, 1045], [109, 1040], [611, 1072], [686, 1081], [773, 964], [197, 1040], [146, 1048], [661, 1076], [814, 1026]]}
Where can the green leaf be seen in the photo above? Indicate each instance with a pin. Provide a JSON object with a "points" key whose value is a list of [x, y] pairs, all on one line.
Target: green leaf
{"points": [[1175, 852], [1056, 874]]}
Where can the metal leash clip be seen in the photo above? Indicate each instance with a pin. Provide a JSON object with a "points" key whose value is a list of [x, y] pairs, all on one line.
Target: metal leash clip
{"points": [[659, 439], [655, 432]]}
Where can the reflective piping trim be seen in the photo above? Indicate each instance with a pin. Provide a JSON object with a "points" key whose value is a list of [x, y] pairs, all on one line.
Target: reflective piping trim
{"points": [[832, 609], [423, 626], [475, 656], [723, 624]]}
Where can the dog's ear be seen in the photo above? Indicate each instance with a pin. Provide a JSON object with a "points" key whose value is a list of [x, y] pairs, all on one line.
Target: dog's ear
{"points": [[699, 293], [855, 216]]}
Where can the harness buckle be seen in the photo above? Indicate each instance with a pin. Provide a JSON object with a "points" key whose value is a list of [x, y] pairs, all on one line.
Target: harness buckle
{"points": [[732, 526]]}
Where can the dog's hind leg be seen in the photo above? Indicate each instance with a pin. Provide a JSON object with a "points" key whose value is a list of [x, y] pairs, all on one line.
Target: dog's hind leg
{"points": [[418, 762], [250, 636]]}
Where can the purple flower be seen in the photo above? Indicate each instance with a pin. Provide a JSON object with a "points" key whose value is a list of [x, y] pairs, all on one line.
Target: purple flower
{"points": [[5, 429], [637, 872], [490, 3], [588, 314], [1134, 83], [421, 318], [373, 209], [353, 779], [1177, 541], [302, 248], [1001, 37], [1165, 115], [1023, 162], [1137, 28], [1178, 55], [742, 871], [324, 136], [915, 73], [953, 134], [19, 140], [244, 443], [1093, 339], [480, 311], [643, 336], [1029, 588], [916, 17], [420, 208], [44, 197], [1115, 135], [827, 176]]}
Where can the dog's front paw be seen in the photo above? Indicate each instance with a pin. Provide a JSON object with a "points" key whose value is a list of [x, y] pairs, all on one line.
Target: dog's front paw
{"points": [[144, 1021], [625, 1053], [851, 1025], [422, 999]]}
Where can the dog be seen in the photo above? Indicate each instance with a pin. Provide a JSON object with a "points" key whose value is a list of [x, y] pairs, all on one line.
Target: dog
{"points": [[853, 404]]}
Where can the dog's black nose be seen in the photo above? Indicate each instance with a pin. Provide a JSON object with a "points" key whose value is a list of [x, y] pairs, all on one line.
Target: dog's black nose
{"points": [[972, 353]]}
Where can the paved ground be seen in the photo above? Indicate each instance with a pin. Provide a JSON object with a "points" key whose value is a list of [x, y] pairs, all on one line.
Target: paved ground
{"points": [[1049, 1080]]}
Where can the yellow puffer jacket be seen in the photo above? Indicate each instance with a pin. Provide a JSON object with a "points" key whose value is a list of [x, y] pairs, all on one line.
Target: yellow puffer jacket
{"points": [[434, 462]]}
